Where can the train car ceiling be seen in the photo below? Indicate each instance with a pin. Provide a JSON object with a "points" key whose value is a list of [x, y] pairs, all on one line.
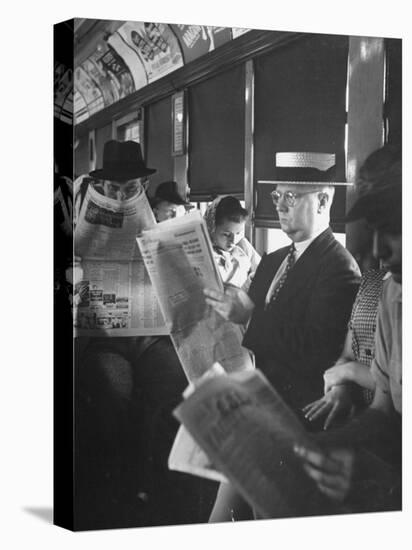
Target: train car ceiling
{"points": [[114, 59]]}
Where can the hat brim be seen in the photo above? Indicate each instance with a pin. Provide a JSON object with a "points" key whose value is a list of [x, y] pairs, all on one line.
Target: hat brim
{"points": [[313, 183], [379, 208], [117, 175], [360, 209], [171, 197]]}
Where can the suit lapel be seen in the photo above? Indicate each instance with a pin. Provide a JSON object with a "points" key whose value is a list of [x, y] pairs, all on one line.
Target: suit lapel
{"points": [[305, 266], [268, 266]]}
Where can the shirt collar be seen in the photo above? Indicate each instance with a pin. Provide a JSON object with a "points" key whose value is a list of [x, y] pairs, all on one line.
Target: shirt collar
{"points": [[301, 246]]}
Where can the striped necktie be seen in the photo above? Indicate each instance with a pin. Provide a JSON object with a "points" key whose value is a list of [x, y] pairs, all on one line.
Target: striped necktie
{"points": [[290, 261]]}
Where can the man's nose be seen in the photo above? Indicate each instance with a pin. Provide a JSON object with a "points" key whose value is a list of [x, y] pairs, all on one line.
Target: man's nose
{"points": [[281, 205]]}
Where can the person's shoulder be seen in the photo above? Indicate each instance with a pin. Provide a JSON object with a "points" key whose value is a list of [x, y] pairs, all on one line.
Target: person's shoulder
{"points": [[279, 252], [392, 291], [246, 247], [244, 244], [342, 255]]}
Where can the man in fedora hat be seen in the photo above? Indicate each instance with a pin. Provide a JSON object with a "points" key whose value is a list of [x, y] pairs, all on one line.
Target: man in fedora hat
{"points": [[127, 388], [167, 200], [362, 466], [122, 174], [300, 299]]}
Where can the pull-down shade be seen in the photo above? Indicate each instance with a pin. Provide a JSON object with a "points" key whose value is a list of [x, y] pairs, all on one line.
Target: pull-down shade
{"points": [[217, 134], [300, 105], [159, 142]]}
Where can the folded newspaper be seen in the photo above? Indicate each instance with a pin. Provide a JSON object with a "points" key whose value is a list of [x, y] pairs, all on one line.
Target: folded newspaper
{"points": [[186, 455], [248, 434], [179, 259]]}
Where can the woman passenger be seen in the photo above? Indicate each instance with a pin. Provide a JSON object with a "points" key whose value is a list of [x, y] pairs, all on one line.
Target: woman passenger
{"points": [[236, 258]]}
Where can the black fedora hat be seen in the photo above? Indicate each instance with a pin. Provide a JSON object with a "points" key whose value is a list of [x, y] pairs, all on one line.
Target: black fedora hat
{"points": [[167, 191], [122, 161], [379, 186]]}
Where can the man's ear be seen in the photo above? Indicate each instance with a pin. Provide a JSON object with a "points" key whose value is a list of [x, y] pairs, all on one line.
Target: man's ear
{"points": [[323, 201]]}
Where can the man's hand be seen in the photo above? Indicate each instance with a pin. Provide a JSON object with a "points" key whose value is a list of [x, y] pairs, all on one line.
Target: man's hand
{"points": [[332, 471], [233, 304], [335, 403]]}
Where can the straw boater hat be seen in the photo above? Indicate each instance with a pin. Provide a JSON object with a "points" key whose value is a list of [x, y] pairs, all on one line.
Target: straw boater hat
{"points": [[305, 168], [122, 161]]}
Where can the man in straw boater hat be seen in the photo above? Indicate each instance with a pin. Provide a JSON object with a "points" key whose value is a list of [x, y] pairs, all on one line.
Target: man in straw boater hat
{"points": [[361, 466], [300, 299]]}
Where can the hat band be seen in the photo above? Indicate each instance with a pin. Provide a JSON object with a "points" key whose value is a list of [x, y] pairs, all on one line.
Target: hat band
{"points": [[124, 166], [305, 174]]}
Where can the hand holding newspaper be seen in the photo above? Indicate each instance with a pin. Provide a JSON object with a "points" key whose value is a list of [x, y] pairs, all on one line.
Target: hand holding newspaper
{"points": [[179, 259], [249, 433]]}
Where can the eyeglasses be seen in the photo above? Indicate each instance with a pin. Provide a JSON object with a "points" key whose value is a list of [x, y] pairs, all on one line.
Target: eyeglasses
{"points": [[118, 190], [289, 196]]}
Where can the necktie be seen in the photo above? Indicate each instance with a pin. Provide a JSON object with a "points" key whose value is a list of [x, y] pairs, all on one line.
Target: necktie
{"points": [[290, 261]]}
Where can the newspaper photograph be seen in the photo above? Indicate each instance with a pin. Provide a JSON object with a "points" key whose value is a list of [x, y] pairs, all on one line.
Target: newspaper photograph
{"points": [[179, 259], [113, 295], [249, 433]]}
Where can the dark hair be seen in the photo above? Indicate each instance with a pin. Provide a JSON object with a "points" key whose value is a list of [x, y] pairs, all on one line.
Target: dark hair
{"points": [[380, 186], [382, 170], [229, 208]]}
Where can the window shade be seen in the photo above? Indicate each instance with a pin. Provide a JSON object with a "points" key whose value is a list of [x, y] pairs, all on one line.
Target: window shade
{"points": [[103, 135], [159, 141], [217, 134], [394, 89], [300, 105]]}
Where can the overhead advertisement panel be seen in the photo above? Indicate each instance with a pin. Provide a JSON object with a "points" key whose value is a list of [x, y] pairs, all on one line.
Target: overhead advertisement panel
{"points": [[101, 80], [132, 60], [197, 40], [116, 70], [63, 93], [155, 45], [80, 108], [91, 94]]}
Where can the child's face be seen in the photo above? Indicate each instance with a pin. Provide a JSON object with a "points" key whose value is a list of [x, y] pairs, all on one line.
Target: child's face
{"points": [[227, 234]]}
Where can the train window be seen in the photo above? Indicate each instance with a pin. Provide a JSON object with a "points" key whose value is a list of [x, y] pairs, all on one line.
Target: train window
{"points": [[129, 127]]}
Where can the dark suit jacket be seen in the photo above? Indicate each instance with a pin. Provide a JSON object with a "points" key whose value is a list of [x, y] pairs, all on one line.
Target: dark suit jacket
{"points": [[301, 335]]}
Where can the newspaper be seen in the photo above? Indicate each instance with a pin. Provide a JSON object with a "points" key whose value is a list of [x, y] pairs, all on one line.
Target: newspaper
{"points": [[186, 455], [179, 259], [114, 296], [248, 433]]}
